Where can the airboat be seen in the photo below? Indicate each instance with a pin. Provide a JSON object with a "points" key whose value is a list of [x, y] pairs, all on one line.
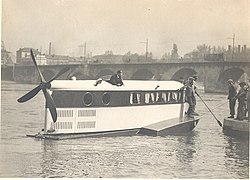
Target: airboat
{"points": [[90, 108]]}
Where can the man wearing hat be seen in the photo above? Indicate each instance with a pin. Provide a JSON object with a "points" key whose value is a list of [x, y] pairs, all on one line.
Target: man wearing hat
{"points": [[241, 96], [195, 77], [116, 79], [231, 94], [190, 97], [248, 99]]}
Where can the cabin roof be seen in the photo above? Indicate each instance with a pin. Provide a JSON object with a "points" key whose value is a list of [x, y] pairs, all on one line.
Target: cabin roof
{"points": [[129, 85]]}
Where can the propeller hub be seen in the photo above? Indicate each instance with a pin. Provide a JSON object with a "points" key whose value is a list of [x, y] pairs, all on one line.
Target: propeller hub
{"points": [[46, 85]]}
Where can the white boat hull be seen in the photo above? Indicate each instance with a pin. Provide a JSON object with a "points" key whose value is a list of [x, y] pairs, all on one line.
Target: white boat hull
{"points": [[89, 120]]}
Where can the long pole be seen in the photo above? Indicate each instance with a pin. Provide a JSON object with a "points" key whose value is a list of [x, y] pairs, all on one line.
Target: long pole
{"points": [[209, 110]]}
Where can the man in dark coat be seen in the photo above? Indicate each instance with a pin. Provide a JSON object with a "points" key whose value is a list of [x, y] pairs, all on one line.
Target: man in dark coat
{"points": [[242, 101], [248, 99], [231, 94], [190, 98], [116, 79], [195, 77]]}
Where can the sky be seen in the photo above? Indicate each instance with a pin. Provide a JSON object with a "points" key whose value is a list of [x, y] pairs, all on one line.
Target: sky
{"points": [[123, 25]]}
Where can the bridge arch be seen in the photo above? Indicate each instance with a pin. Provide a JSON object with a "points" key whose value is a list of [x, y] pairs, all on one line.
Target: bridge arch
{"points": [[183, 73], [47, 74], [78, 72], [233, 73], [105, 72], [142, 74], [80, 76]]}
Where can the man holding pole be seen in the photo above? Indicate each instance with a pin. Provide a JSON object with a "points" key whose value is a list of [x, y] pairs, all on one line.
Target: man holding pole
{"points": [[195, 77], [190, 97]]}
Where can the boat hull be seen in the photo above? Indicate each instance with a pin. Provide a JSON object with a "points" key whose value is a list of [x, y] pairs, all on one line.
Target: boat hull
{"points": [[162, 128], [109, 119], [236, 128], [61, 136]]}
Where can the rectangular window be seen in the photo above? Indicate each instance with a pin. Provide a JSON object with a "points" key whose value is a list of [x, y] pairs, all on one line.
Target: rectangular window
{"points": [[135, 98], [168, 96], [164, 96], [180, 96], [173, 96], [150, 97], [161, 97]]}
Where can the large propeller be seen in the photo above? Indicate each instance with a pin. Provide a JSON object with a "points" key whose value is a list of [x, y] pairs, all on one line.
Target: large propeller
{"points": [[44, 86]]}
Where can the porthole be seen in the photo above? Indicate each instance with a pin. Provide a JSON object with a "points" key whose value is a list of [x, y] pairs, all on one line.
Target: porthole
{"points": [[106, 98], [87, 99]]}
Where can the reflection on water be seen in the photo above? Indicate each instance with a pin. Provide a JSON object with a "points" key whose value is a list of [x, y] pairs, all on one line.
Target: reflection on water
{"points": [[186, 148], [203, 153], [237, 153]]}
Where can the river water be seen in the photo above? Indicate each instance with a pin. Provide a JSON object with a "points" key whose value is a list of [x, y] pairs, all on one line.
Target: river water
{"points": [[203, 153]]}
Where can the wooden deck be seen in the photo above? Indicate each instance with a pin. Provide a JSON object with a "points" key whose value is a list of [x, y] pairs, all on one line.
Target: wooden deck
{"points": [[172, 126]]}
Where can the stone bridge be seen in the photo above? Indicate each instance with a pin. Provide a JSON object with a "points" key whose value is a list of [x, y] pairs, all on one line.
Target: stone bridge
{"points": [[214, 75]]}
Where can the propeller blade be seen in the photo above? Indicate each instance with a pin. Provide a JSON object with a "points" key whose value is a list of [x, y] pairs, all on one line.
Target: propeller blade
{"points": [[29, 95], [50, 104], [64, 70], [34, 61]]}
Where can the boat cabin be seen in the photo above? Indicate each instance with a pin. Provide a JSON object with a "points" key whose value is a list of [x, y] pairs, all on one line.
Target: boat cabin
{"points": [[78, 94]]}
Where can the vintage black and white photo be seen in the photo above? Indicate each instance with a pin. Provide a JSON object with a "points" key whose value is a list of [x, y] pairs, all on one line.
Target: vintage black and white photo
{"points": [[125, 89]]}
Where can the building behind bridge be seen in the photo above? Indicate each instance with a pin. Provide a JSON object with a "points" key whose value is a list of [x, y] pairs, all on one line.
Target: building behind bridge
{"points": [[23, 57], [240, 54]]}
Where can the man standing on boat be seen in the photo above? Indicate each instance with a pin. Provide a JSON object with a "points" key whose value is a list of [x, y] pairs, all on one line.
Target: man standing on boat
{"points": [[190, 97], [116, 79], [231, 94], [195, 77]]}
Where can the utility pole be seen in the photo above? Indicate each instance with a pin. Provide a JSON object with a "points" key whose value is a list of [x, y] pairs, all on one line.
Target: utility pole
{"points": [[146, 48], [13, 70], [85, 46], [233, 47], [40, 63], [49, 48], [80, 50]]}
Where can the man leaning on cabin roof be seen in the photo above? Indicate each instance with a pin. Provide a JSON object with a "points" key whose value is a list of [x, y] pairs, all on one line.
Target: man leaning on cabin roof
{"points": [[116, 79]]}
